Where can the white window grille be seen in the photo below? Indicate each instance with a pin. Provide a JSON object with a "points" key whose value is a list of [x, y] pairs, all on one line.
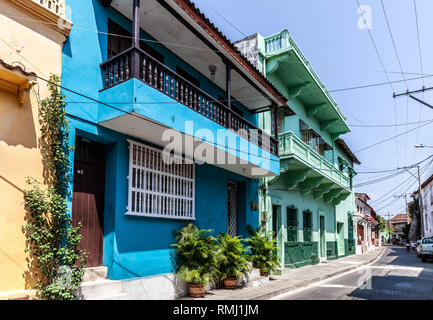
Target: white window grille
{"points": [[158, 189]]}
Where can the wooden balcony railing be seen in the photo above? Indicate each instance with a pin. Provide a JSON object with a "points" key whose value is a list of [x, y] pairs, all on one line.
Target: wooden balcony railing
{"points": [[283, 41], [291, 145], [56, 6], [136, 63]]}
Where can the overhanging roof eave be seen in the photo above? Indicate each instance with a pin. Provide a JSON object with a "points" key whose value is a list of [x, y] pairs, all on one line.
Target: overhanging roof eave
{"points": [[319, 88]]}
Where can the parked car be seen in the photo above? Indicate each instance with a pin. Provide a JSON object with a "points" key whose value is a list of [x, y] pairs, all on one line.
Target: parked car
{"points": [[425, 249]]}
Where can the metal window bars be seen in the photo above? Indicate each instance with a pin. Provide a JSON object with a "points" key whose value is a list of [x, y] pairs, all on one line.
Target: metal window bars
{"points": [[160, 185]]}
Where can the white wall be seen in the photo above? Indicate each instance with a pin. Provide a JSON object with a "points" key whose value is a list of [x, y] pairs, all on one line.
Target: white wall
{"points": [[427, 199]]}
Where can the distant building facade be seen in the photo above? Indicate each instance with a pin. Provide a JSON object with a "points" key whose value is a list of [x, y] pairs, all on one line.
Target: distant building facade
{"points": [[427, 207], [365, 224], [398, 222]]}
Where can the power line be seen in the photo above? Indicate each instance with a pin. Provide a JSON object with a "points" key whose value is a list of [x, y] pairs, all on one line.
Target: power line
{"points": [[417, 33], [378, 84], [381, 178], [393, 42], [397, 169], [208, 49], [404, 78], [388, 125], [386, 140], [375, 47], [378, 180], [423, 89], [400, 186], [309, 94], [420, 62], [226, 20], [378, 131], [410, 186], [134, 114], [407, 183]]}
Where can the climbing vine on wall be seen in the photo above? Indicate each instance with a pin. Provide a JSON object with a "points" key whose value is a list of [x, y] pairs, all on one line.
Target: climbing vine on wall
{"points": [[52, 239]]}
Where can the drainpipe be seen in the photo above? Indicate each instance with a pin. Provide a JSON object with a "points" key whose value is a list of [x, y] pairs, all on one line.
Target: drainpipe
{"points": [[229, 92], [276, 124], [421, 213], [135, 58]]}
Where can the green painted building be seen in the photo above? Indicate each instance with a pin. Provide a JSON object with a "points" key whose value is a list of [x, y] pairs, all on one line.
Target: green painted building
{"points": [[309, 206]]}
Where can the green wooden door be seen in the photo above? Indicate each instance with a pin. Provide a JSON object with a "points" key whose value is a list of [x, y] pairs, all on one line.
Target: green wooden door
{"points": [[276, 228], [322, 237], [276, 223], [340, 238]]}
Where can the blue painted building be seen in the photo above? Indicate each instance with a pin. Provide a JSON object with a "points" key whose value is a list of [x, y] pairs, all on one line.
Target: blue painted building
{"points": [[141, 77]]}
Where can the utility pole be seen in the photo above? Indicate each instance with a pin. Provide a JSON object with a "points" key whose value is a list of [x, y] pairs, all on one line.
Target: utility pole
{"points": [[419, 198], [420, 204], [388, 215], [409, 93]]}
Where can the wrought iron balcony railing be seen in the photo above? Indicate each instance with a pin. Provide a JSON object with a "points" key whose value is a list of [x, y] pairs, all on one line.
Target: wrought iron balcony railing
{"points": [[136, 63]]}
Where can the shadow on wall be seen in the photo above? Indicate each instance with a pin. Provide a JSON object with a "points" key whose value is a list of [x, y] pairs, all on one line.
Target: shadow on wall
{"points": [[31, 275], [16, 122]]}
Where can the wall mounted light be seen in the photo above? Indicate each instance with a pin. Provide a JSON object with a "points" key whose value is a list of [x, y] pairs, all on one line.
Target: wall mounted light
{"points": [[212, 69]]}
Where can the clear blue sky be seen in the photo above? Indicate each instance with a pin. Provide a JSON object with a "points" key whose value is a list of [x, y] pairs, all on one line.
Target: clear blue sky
{"points": [[343, 56]]}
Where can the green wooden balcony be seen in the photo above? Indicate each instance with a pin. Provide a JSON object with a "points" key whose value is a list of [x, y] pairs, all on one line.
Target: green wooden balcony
{"points": [[305, 170], [284, 57]]}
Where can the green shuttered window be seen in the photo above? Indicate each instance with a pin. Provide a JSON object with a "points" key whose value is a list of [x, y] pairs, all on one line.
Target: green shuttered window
{"points": [[307, 225], [292, 224]]}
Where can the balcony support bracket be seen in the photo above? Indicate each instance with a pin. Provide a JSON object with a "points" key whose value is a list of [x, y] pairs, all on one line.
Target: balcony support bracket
{"points": [[325, 125], [321, 190], [343, 196], [314, 109], [292, 178], [295, 91], [335, 135], [332, 194], [310, 184]]}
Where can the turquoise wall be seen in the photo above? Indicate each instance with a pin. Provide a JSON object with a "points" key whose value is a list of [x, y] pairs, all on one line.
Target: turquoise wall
{"points": [[82, 73], [293, 254], [302, 253], [140, 246]]}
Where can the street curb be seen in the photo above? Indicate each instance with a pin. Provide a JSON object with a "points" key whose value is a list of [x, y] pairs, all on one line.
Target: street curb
{"points": [[305, 284]]}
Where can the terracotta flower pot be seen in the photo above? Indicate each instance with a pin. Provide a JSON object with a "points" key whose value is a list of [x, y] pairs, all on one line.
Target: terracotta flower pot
{"points": [[230, 283], [196, 290], [264, 273]]}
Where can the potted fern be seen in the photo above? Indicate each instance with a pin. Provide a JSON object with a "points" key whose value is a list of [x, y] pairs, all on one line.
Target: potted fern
{"points": [[196, 258], [232, 260], [263, 253]]}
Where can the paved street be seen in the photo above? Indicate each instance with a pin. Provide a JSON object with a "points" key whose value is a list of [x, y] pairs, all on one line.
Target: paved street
{"points": [[396, 275]]}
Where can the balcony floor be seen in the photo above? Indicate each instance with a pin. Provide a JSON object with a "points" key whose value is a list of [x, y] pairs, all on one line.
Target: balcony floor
{"points": [[148, 122]]}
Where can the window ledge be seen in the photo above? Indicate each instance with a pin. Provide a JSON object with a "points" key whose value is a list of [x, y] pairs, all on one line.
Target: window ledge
{"points": [[16, 81], [159, 216]]}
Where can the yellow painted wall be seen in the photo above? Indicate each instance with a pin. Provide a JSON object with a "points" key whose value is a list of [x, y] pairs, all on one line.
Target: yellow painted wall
{"points": [[37, 47]]}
